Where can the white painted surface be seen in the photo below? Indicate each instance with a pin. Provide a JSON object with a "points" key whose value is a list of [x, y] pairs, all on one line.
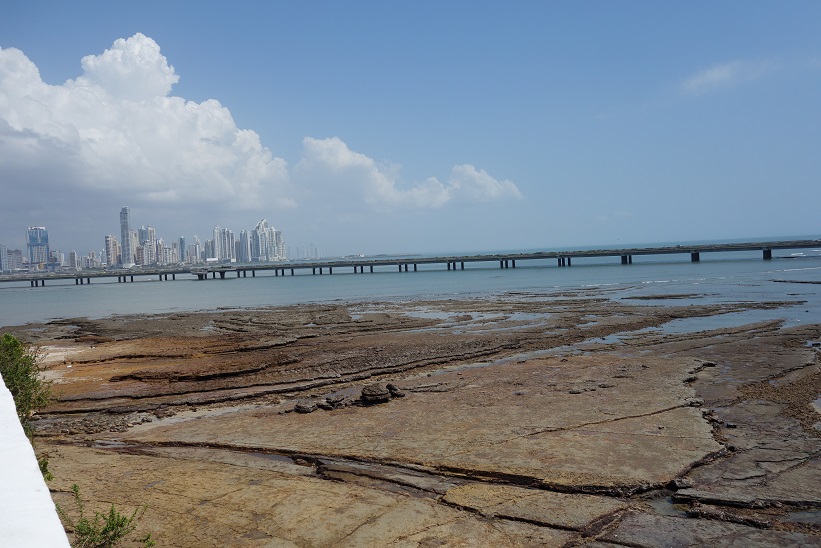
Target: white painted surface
{"points": [[28, 518]]}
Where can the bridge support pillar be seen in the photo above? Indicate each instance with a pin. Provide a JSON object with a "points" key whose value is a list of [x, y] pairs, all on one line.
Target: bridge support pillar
{"points": [[253, 273], [414, 267], [330, 270], [768, 254], [238, 274], [624, 259], [292, 272], [77, 280], [694, 257], [371, 269], [448, 265], [513, 263], [406, 267], [222, 275], [132, 279], [313, 271], [568, 262], [88, 280]]}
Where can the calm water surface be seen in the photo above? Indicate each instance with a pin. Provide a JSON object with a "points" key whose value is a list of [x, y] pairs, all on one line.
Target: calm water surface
{"points": [[721, 277]]}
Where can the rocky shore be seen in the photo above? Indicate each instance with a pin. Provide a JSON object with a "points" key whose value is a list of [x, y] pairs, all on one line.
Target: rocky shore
{"points": [[561, 419]]}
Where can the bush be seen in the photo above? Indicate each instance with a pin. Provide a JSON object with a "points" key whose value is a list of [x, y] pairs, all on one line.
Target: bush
{"points": [[21, 371], [105, 530]]}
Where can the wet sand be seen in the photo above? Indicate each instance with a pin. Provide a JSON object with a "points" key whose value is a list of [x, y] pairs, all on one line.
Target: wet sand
{"points": [[568, 419]]}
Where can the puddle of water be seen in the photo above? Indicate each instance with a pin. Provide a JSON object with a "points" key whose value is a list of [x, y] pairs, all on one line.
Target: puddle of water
{"points": [[666, 507], [271, 456], [109, 444], [721, 321]]}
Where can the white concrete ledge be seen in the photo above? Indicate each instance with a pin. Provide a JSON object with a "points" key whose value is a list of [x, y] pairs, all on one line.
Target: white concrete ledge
{"points": [[28, 518]]}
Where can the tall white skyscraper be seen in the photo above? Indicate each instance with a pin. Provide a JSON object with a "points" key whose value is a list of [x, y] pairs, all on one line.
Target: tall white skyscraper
{"points": [[112, 250], [127, 250]]}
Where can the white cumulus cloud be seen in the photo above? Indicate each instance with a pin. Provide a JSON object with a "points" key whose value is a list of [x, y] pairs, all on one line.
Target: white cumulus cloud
{"points": [[117, 128], [724, 75], [350, 174], [117, 135]]}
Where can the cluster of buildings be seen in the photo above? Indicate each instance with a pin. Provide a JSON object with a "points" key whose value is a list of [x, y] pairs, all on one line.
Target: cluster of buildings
{"points": [[142, 247]]}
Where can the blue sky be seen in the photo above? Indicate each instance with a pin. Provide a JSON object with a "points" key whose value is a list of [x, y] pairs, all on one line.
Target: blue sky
{"points": [[382, 127]]}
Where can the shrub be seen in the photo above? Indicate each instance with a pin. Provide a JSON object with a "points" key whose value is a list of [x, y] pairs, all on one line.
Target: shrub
{"points": [[104, 530], [21, 371]]}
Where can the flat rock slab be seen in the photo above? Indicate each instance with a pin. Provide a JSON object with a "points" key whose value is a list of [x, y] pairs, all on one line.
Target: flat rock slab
{"points": [[593, 422], [533, 505], [218, 504], [650, 531]]}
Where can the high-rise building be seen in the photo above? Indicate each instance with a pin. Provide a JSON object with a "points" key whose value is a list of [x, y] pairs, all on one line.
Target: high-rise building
{"points": [[181, 250], [4, 260], [195, 251], [244, 247], [112, 251], [224, 247], [37, 239], [15, 258], [127, 250]]}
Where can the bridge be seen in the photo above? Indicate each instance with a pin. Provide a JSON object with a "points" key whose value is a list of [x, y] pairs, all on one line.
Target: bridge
{"points": [[360, 265]]}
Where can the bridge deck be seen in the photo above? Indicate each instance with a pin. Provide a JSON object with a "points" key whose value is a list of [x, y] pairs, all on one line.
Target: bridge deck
{"points": [[505, 260]]}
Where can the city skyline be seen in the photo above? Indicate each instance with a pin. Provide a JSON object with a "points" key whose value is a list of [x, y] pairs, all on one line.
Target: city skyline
{"points": [[143, 247], [507, 127]]}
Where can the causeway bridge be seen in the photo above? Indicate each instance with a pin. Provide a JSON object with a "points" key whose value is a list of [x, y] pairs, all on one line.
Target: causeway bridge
{"points": [[405, 264]]}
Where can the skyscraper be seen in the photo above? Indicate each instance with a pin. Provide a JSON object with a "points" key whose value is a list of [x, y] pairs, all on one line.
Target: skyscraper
{"points": [[127, 250], [4, 260], [112, 251], [37, 239]]}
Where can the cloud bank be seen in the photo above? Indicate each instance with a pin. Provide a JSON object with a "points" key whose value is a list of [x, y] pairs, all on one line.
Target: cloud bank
{"points": [[117, 130], [724, 75], [378, 186]]}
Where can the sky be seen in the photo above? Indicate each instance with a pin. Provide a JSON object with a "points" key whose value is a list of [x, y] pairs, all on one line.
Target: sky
{"points": [[411, 127]]}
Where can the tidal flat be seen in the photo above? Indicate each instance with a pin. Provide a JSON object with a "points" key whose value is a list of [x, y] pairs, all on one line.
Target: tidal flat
{"points": [[565, 418]]}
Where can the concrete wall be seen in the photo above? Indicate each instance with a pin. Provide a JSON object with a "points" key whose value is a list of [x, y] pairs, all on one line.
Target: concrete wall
{"points": [[28, 518]]}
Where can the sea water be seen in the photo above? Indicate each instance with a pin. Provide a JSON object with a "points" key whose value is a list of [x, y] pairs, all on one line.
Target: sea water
{"points": [[717, 278]]}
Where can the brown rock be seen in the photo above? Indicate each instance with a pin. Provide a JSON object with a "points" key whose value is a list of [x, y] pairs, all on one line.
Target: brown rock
{"points": [[375, 393]]}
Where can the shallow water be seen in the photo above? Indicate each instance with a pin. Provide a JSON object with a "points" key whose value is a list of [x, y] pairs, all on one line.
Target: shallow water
{"points": [[731, 278]]}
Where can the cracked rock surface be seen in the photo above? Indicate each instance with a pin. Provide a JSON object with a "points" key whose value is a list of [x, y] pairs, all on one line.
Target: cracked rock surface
{"points": [[564, 419]]}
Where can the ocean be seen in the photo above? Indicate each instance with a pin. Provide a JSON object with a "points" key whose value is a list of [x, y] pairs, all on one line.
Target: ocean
{"points": [[793, 276]]}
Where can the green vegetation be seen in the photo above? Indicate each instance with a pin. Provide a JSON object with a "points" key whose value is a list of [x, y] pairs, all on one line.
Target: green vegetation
{"points": [[21, 371], [104, 530], [20, 367]]}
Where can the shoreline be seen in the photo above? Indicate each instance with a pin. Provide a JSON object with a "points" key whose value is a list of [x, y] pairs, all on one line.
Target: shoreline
{"points": [[523, 420]]}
